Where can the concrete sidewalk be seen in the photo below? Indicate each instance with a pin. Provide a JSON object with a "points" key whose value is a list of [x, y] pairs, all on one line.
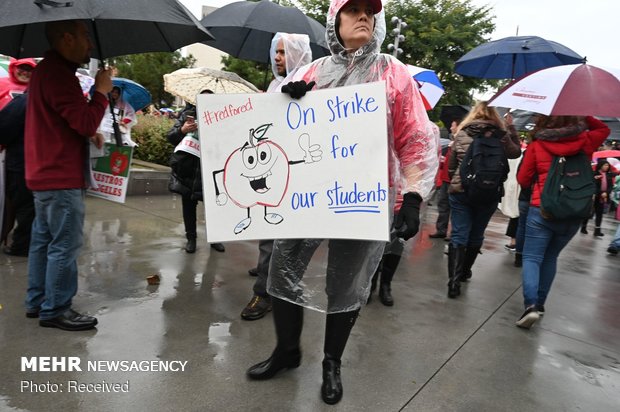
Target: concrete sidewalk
{"points": [[426, 353]]}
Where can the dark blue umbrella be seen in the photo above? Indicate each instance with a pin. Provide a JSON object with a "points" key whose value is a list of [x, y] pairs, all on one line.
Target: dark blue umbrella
{"points": [[133, 93], [513, 57]]}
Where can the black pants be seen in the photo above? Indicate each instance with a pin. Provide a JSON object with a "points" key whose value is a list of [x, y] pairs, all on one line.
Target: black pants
{"points": [[265, 249], [511, 229], [189, 215], [443, 208], [599, 209], [22, 205]]}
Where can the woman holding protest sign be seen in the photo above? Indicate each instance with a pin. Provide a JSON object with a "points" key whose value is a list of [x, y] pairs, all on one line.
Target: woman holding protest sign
{"points": [[355, 31]]}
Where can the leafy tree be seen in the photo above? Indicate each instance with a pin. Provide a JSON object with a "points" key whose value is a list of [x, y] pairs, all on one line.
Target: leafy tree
{"points": [[317, 9], [148, 69], [438, 33], [259, 74]]}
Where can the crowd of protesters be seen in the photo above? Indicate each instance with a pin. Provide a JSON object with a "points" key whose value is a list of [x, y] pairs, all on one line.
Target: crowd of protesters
{"points": [[55, 107]]}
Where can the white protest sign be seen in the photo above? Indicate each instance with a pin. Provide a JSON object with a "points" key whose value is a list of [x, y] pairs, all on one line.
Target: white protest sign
{"points": [[110, 173], [274, 167]]}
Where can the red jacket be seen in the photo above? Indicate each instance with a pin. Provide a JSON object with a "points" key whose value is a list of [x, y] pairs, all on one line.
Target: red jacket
{"points": [[539, 155], [59, 122], [444, 173]]}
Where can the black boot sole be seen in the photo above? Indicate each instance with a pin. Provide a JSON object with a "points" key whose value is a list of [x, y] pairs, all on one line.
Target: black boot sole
{"points": [[453, 292], [334, 380], [386, 302], [271, 371]]}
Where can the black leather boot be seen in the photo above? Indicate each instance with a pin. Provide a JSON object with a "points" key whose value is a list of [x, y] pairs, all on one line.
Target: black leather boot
{"points": [[456, 257], [337, 330], [288, 319], [597, 232], [390, 263], [190, 246], [471, 253]]}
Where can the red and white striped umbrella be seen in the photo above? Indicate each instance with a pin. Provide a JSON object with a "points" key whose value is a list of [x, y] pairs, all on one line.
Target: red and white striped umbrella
{"points": [[570, 90], [430, 87]]}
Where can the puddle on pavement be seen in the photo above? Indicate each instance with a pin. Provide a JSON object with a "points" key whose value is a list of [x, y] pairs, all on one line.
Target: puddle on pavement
{"points": [[218, 337]]}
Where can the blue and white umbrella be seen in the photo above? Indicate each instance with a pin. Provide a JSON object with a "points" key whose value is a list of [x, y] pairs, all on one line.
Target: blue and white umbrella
{"points": [[133, 93], [430, 87]]}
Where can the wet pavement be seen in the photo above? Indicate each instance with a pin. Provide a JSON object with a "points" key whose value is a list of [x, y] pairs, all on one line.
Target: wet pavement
{"points": [[426, 353]]}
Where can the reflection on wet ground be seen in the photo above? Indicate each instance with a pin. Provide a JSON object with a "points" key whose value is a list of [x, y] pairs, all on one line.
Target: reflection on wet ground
{"points": [[427, 353]]}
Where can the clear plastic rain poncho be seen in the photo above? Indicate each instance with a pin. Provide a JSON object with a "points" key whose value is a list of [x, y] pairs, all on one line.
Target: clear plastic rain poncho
{"points": [[413, 144], [297, 53]]}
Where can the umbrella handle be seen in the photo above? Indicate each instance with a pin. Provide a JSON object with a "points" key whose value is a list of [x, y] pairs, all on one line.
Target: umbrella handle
{"points": [[52, 3]]}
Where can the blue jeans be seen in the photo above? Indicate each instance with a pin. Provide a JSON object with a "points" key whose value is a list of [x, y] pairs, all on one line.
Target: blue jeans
{"points": [[524, 206], [54, 247], [544, 240], [616, 242], [468, 221]]}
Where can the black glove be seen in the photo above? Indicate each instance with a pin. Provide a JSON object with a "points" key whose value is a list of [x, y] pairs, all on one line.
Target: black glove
{"points": [[297, 90], [407, 222]]}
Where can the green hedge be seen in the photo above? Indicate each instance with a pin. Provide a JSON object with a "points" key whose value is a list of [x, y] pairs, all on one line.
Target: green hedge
{"points": [[150, 135]]}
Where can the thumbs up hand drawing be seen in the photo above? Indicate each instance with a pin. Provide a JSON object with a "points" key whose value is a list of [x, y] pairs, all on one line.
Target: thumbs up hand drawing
{"points": [[312, 153]]}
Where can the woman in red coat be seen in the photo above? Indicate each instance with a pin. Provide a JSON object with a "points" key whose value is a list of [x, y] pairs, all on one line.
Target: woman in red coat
{"points": [[545, 239]]}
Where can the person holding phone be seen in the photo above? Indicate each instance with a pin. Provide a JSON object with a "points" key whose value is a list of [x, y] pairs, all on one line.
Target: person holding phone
{"points": [[186, 178]]}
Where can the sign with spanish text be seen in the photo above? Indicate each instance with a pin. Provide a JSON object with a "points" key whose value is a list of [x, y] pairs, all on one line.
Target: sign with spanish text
{"points": [[110, 173], [274, 167]]}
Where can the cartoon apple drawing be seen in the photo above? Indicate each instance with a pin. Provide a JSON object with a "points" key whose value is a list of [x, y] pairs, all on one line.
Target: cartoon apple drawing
{"points": [[258, 174]]}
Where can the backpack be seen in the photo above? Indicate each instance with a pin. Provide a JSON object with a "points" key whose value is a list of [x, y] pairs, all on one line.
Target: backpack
{"points": [[569, 189], [484, 170]]}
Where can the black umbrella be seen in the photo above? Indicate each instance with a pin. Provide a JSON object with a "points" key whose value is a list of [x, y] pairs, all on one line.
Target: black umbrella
{"points": [[513, 57], [450, 113], [118, 27], [244, 29]]}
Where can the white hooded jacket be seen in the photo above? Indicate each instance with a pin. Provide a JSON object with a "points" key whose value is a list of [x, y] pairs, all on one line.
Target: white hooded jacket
{"points": [[297, 53]]}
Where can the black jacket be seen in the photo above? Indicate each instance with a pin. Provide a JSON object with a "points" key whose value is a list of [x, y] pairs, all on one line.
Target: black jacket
{"points": [[12, 125], [184, 165], [610, 184]]}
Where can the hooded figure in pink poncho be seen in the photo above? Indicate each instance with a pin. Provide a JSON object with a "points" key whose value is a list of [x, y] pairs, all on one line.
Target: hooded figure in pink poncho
{"points": [[17, 82], [355, 30]]}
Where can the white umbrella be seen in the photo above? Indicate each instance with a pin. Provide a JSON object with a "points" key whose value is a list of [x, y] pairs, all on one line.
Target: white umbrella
{"points": [[570, 90], [187, 83]]}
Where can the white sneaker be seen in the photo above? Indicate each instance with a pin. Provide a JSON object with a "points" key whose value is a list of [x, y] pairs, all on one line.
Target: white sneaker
{"points": [[529, 317]]}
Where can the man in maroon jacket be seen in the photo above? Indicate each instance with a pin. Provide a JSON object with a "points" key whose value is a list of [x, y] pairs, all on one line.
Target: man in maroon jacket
{"points": [[59, 124]]}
